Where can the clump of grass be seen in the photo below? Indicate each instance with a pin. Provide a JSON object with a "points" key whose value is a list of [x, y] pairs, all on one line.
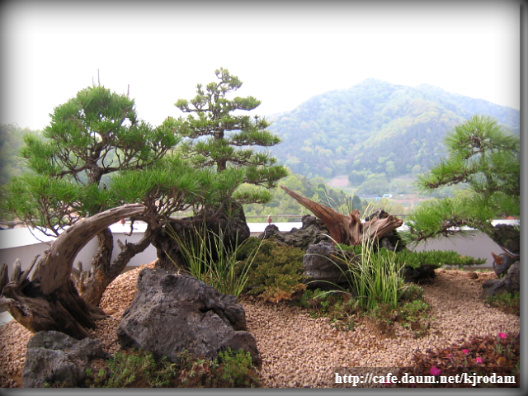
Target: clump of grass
{"points": [[210, 260], [376, 290], [374, 276]]}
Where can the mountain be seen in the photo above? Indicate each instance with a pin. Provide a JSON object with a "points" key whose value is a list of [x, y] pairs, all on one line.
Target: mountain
{"points": [[376, 129]]}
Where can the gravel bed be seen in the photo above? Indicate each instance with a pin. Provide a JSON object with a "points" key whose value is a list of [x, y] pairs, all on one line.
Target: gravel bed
{"points": [[300, 351]]}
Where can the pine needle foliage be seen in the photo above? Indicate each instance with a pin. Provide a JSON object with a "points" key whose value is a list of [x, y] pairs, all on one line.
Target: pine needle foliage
{"points": [[96, 154], [483, 160], [90, 137], [220, 136]]}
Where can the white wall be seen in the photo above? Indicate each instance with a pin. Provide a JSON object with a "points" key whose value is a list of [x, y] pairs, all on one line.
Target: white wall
{"points": [[20, 243]]}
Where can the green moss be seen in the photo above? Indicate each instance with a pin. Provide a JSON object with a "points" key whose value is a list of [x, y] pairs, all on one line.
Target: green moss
{"points": [[277, 271]]}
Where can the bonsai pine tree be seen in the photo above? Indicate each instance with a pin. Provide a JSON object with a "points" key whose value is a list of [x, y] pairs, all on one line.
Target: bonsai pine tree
{"points": [[483, 160], [96, 155], [220, 137]]}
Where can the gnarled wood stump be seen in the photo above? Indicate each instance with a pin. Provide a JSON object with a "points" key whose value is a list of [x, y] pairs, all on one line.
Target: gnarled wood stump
{"points": [[348, 229], [49, 300]]}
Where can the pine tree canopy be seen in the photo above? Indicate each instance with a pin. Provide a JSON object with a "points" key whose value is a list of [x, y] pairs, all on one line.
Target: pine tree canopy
{"points": [[219, 136], [96, 154], [483, 159]]}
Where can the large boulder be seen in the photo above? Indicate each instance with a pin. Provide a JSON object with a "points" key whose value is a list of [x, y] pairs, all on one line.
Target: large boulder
{"points": [[173, 313], [510, 283], [311, 232], [57, 360]]}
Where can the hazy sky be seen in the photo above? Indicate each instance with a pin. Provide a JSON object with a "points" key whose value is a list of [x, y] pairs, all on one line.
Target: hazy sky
{"points": [[284, 53]]}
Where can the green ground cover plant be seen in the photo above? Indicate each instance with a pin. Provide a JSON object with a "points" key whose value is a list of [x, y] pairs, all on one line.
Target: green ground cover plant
{"points": [[506, 302], [341, 308], [414, 259], [277, 273], [345, 312], [436, 258], [479, 356], [136, 368]]}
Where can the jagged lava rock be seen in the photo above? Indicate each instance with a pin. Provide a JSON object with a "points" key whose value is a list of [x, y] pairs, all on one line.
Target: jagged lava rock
{"points": [[311, 232], [323, 267], [172, 313], [55, 359], [510, 283]]}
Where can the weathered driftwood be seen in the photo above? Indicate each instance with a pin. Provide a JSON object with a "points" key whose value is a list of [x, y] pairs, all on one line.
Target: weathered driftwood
{"points": [[348, 229], [49, 300], [92, 284]]}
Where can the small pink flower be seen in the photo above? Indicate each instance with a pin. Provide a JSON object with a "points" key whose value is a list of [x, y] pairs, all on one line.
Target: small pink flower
{"points": [[465, 351], [502, 335], [435, 370], [478, 360]]}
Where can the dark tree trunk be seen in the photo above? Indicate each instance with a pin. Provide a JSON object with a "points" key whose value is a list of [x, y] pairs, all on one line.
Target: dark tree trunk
{"points": [[49, 299], [348, 229]]}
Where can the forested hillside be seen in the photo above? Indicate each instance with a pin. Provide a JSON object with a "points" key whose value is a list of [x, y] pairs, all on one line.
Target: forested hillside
{"points": [[375, 131], [10, 143]]}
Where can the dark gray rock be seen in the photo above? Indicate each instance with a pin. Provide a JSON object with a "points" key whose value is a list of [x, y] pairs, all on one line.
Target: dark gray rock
{"points": [[174, 313], [425, 273], [503, 262], [230, 224], [510, 283], [58, 360], [314, 231], [323, 267], [311, 232]]}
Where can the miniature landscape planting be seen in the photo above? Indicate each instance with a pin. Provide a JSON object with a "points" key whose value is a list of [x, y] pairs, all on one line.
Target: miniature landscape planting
{"points": [[221, 308]]}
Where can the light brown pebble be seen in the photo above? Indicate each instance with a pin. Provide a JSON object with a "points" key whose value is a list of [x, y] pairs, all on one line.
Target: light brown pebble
{"points": [[300, 351]]}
